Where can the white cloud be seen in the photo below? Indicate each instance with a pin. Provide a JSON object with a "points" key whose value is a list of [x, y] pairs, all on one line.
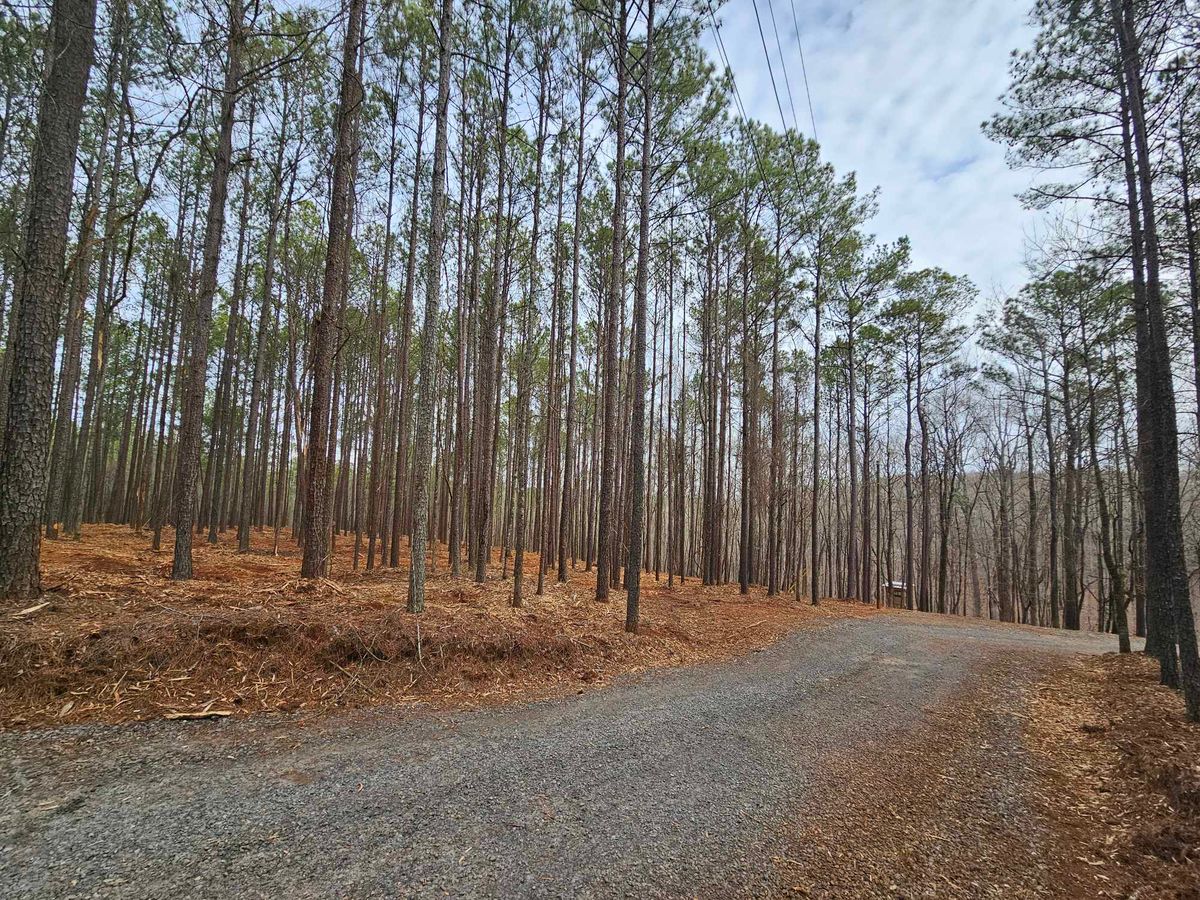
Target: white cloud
{"points": [[899, 90]]}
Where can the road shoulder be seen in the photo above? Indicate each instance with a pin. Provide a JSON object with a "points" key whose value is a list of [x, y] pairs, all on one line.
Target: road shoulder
{"points": [[1069, 777], [1120, 776]]}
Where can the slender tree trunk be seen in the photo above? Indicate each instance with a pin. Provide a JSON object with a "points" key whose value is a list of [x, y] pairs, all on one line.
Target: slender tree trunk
{"points": [[569, 442], [815, 573], [433, 286], [486, 413], [524, 364], [637, 460], [266, 311], [615, 301], [188, 458], [317, 510]]}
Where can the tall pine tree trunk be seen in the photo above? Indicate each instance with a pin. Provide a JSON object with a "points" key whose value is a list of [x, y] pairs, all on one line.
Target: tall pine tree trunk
{"points": [[38, 297], [317, 504], [425, 387], [195, 377], [1166, 566], [613, 304], [637, 460]]}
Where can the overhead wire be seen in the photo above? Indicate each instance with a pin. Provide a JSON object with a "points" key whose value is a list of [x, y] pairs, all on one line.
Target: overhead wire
{"points": [[787, 81], [737, 94], [804, 71], [770, 68]]}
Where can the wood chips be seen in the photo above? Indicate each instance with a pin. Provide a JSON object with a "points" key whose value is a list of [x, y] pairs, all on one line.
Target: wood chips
{"points": [[1121, 776], [114, 639]]}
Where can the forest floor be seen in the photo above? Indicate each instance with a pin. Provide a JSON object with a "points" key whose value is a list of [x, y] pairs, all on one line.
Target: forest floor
{"points": [[1080, 780], [115, 640], [1120, 768]]}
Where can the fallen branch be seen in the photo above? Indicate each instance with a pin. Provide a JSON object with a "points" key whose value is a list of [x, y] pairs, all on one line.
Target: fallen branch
{"points": [[205, 712]]}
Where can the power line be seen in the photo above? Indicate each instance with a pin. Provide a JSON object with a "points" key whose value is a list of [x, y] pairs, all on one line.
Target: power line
{"points": [[770, 68], [737, 95], [804, 70], [783, 61]]}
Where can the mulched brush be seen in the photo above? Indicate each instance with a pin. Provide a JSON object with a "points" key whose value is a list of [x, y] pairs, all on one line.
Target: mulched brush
{"points": [[114, 639], [1115, 742]]}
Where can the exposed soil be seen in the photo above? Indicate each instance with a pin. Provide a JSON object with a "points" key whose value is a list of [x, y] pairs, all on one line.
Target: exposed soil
{"points": [[114, 639]]}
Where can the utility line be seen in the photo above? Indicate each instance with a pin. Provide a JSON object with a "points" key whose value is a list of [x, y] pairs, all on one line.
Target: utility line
{"points": [[737, 95], [783, 61], [804, 71], [770, 68]]}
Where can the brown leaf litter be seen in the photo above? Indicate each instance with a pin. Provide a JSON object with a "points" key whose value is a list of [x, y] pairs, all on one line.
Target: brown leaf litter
{"points": [[1083, 783], [1122, 766], [114, 639]]}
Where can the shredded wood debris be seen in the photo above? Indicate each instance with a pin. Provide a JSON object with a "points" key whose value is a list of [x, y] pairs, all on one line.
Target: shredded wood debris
{"points": [[116, 640], [930, 810], [1083, 784], [1121, 771]]}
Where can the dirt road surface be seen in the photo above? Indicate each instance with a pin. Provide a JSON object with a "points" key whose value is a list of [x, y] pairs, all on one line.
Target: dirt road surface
{"points": [[714, 781]]}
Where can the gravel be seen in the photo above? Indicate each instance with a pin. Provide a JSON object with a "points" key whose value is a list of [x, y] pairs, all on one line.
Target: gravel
{"points": [[676, 783]]}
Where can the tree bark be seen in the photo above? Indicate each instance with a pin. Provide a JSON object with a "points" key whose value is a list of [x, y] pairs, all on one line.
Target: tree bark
{"points": [[38, 297], [188, 459], [613, 304], [315, 536], [637, 460], [425, 387]]}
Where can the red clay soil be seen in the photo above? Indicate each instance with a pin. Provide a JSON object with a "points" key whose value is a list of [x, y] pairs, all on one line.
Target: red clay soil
{"points": [[113, 639]]}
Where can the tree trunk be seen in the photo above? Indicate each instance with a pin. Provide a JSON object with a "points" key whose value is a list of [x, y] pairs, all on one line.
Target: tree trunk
{"points": [[315, 562], [614, 303], [38, 297], [426, 388], [637, 460], [188, 459], [1160, 455]]}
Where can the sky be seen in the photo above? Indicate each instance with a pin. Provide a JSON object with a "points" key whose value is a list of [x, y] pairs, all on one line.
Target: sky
{"points": [[899, 90]]}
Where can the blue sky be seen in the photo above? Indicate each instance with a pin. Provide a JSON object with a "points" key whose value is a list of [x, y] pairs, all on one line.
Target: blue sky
{"points": [[899, 90]]}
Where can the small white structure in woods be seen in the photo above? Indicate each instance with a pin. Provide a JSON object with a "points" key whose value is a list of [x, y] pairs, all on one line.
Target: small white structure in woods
{"points": [[896, 592]]}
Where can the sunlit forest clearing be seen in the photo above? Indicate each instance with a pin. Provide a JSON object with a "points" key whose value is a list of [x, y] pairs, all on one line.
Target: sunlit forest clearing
{"points": [[522, 406]]}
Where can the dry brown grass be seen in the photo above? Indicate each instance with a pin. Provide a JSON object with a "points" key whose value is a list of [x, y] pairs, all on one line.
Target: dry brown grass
{"points": [[117, 640]]}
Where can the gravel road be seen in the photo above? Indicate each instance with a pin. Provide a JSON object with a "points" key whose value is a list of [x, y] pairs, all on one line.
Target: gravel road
{"points": [[677, 783]]}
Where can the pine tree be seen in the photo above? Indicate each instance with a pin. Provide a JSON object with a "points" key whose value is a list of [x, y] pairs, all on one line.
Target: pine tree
{"points": [[38, 297]]}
